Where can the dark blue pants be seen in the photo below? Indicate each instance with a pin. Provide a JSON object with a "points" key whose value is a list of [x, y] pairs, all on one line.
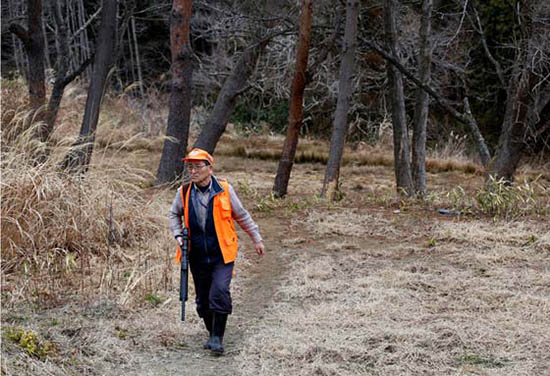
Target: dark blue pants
{"points": [[212, 282]]}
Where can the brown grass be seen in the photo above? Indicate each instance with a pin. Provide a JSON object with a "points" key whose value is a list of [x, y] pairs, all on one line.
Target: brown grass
{"points": [[469, 305], [315, 151], [56, 226]]}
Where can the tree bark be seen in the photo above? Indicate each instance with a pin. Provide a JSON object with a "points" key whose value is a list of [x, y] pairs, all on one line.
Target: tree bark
{"points": [[33, 43], [541, 128], [400, 134], [138, 60], [78, 158], [296, 103], [513, 135], [483, 151], [177, 131], [233, 86], [14, 10], [521, 97], [422, 102], [46, 47], [85, 40], [339, 131], [62, 66]]}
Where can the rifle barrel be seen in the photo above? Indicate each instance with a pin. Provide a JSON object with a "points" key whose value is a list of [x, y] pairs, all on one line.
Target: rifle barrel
{"points": [[184, 273]]}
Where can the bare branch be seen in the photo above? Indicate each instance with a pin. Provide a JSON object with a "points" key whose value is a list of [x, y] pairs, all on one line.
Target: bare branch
{"points": [[437, 97], [479, 28], [83, 27], [327, 46], [21, 33], [478, 137], [69, 78], [460, 24]]}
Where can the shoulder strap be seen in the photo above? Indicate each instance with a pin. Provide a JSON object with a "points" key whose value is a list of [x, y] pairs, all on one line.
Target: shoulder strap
{"points": [[183, 192], [225, 185]]}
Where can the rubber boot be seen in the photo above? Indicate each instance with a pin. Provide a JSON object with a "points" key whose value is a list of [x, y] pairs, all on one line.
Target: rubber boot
{"points": [[218, 330], [208, 319]]}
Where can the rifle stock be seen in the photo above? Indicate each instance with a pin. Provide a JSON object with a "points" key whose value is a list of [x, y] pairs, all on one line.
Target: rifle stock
{"points": [[184, 272]]}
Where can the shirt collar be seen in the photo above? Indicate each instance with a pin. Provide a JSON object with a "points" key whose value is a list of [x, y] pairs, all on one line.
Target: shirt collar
{"points": [[207, 189]]}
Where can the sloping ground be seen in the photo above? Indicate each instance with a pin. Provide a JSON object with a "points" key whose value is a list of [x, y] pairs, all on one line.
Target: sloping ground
{"points": [[352, 288]]}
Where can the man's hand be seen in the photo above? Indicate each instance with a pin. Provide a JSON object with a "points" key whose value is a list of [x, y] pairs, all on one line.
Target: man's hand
{"points": [[179, 238], [260, 249]]}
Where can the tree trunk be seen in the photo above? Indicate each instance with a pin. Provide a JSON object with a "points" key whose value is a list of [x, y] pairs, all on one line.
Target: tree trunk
{"points": [[18, 51], [296, 103], [133, 78], [138, 60], [233, 86], [400, 134], [521, 95], [540, 134], [483, 151], [78, 158], [177, 131], [513, 136], [37, 88], [46, 47], [85, 45], [422, 102], [33, 43], [62, 66], [332, 171]]}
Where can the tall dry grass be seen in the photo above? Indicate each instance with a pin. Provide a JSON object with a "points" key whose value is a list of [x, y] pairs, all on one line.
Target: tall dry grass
{"points": [[59, 227]]}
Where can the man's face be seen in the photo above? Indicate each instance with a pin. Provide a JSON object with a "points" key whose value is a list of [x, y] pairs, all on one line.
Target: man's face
{"points": [[200, 172]]}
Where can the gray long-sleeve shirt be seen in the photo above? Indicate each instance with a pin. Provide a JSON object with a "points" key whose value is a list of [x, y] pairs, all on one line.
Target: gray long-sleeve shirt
{"points": [[239, 213]]}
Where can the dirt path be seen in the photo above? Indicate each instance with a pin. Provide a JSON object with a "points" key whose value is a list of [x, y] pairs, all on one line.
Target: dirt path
{"points": [[256, 288]]}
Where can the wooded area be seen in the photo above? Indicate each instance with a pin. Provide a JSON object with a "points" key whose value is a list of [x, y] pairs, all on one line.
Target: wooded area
{"points": [[452, 63], [394, 155]]}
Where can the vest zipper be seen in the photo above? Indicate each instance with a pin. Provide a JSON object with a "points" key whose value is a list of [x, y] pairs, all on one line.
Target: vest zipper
{"points": [[204, 232], [205, 247]]}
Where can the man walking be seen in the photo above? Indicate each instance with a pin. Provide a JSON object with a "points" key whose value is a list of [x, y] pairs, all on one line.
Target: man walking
{"points": [[209, 207]]}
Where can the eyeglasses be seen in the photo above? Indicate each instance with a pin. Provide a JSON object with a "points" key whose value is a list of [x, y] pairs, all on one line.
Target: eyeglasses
{"points": [[193, 167]]}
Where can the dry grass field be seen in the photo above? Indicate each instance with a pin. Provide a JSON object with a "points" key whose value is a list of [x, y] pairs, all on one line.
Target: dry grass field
{"points": [[369, 285]]}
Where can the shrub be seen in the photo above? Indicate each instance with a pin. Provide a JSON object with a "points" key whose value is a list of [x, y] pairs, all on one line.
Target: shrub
{"points": [[249, 117], [31, 343], [498, 198]]}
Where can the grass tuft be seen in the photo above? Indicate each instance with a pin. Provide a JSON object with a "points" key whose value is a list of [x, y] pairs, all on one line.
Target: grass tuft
{"points": [[31, 343], [500, 199]]}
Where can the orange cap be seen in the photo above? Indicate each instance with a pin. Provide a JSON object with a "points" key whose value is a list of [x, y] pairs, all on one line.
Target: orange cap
{"points": [[199, 155]]}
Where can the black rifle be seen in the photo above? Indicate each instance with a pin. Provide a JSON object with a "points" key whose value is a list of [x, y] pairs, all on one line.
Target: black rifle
{"points": [[184, 274]]}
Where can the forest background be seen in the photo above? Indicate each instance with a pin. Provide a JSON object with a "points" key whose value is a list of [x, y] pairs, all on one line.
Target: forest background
{"points": [[442, 105]]}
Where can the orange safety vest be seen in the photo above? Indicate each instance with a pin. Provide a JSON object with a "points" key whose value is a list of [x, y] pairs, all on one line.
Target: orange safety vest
{"points": [[223, 222]]}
